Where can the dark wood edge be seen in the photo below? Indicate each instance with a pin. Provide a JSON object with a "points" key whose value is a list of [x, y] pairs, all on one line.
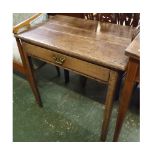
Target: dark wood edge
{"points": [[127, 53], [78, 15]]}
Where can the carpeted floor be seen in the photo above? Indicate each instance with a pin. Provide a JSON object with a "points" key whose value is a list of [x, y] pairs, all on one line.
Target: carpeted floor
{"points": [[70, 112]]}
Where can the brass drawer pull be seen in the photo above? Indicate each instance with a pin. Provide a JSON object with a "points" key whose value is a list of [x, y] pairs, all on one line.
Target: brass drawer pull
{"points": [[59, 59]]}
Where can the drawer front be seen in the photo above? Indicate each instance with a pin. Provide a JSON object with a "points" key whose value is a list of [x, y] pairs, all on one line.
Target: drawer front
{"points": [[68, 62]]}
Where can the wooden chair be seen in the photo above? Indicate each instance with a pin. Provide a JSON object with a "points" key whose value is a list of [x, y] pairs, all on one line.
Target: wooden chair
{"points": [[90, 16], [108, 17], [129, 19], [18, 61]]}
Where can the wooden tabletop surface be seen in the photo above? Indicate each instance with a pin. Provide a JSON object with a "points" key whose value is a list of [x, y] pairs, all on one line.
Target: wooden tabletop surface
{"points": [[103, 44], [133, 50]]}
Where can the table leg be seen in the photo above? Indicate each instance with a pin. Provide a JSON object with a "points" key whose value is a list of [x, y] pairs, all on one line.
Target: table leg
{"points": [[126, 95], [58, 70], [108, 103], [66, 74], [32, 81], [27, 62], [83, 81]]}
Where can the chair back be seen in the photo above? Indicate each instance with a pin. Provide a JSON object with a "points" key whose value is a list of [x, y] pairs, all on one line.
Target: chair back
{"points": [[129, 19]]}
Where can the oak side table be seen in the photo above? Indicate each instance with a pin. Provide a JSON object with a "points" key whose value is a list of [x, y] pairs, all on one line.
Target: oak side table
{"points": [[80, 46]]}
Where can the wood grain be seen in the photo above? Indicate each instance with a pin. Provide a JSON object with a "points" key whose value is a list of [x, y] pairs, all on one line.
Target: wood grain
{"points": [[74, 22], [106, 49]]}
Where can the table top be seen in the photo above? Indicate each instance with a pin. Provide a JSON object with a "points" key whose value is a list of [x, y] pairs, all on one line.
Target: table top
{"points": [[133, 50], [99, 43]]}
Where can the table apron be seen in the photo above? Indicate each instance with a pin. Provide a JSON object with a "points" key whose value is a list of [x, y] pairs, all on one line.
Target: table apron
{"points": [[85, 68]]}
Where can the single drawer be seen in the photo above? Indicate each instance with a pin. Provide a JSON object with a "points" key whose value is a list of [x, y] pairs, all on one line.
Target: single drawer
{"points": [[82, 67]]}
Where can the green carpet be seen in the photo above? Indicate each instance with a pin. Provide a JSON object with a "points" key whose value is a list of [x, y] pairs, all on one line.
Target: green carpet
{"points": [[70, 113]]}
